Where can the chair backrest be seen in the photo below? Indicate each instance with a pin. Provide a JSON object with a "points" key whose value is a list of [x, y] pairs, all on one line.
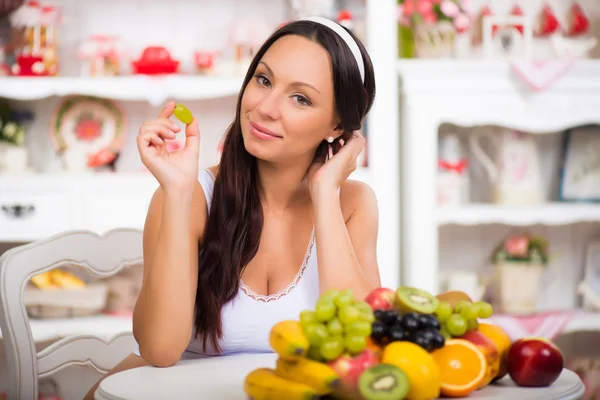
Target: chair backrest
{"points": [[100, 255]]}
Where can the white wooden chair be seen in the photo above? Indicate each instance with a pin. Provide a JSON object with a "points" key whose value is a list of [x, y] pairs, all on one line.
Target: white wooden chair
{"points": [[100, 255]]}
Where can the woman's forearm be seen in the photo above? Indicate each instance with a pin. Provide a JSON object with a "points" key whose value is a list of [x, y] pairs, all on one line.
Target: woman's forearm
{"points": [[164, 310], [339, 267]]}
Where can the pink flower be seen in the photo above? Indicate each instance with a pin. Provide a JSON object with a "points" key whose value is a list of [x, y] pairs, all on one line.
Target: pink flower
{"points": [[408, 8], [449, 8], [425, 7], [517, 246], [461, 22], [466, 7]]}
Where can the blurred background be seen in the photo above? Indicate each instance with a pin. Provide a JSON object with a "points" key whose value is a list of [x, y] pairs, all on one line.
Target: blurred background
{"points": [[483, 146]]}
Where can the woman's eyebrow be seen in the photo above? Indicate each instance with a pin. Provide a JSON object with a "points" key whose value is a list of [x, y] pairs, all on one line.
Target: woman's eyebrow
{"points": [[293, 83]]}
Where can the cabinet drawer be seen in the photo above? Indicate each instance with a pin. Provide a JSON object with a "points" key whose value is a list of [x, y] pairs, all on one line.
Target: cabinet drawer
{"points": [[31, 215], [105, 211]]}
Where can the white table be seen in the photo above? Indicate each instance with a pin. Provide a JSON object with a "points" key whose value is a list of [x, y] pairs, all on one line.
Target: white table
{"points": [[223, 378]]}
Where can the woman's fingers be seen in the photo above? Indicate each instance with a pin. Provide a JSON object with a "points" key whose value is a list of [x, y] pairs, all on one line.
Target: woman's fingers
{"points": [[149, 138], [160, 129], [167, 111]]}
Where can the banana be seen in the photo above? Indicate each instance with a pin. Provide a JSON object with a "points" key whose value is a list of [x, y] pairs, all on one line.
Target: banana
{"points": [[288, 339], [67, 280], [318, 376], [264, 384]]}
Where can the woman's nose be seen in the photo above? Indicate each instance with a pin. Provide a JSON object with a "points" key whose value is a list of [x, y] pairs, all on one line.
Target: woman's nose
{"points": [[269, 106]]}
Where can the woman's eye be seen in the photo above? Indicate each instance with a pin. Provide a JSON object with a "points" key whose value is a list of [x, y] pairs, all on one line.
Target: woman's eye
{"points": [[262, 80], [302, 100]]}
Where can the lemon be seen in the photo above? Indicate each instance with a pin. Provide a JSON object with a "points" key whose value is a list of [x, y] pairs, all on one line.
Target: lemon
{"points": [[420, 367]]}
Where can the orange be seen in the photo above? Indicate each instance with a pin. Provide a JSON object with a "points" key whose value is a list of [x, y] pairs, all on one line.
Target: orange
{"points": [[502, 342], [463, 367]]}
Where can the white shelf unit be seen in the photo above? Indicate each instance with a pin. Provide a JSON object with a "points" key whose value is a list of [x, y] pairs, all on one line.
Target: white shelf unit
{"points": [[475, 93], [545, 214], [156, 90]]}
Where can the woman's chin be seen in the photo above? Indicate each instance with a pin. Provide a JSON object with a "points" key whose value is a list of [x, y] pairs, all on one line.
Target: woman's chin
{"points": [[259, 151]]}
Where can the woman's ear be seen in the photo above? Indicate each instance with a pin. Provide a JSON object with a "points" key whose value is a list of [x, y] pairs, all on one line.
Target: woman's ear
{"points": [[336, 132]]}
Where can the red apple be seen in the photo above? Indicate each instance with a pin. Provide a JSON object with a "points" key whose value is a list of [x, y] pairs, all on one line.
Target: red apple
{"points": [[349, 370], [490, 352], [534, 362], [381, 299]]}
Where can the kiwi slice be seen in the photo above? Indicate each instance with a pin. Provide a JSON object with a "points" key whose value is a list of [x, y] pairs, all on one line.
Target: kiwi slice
{"points": [[383, 382], [417, 300]]}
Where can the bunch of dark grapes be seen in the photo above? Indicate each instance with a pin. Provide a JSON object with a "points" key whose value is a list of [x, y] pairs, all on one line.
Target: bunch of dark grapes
{"points": [[421, 329]]}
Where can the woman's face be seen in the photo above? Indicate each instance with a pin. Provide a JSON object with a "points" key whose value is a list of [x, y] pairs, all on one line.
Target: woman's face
{"points": [[288, 107]]}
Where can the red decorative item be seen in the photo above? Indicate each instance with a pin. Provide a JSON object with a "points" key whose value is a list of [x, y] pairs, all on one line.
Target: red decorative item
{"points": [[205, 60], [578, 23], [29, 65], [102, 157], [547, 22], [517, 12], [458, 167], [155, 60]]}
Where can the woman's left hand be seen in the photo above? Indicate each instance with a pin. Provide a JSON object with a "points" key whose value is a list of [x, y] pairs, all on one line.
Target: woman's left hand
{"points": [[329, 174]]}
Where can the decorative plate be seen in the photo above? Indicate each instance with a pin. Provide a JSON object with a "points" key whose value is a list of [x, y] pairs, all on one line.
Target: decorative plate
{"points": [[88, 125]]}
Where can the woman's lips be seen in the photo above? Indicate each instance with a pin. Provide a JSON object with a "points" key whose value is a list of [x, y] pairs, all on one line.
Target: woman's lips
{"points": [[262, 133]]}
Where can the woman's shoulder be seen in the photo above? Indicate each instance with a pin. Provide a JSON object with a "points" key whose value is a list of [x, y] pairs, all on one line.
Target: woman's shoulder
{"points": [[356, 195]]}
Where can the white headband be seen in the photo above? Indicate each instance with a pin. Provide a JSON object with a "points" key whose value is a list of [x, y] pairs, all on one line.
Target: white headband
{"points": [[345, 36]]}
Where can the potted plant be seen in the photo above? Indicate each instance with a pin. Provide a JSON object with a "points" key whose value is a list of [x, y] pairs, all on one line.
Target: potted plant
{"points": [[427, 28], [519, 262], [13, 153]]}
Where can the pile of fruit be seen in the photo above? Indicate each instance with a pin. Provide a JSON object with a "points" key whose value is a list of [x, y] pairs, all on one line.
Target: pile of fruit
{"points": [[397, 344]]}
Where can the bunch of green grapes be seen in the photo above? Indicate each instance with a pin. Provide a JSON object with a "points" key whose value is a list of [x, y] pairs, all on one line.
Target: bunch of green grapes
{"points": [[462, 318], [339, 324]]}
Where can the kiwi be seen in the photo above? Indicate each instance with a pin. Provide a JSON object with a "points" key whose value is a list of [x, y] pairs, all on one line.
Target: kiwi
{"points": [[383, 382], [417, 300]]}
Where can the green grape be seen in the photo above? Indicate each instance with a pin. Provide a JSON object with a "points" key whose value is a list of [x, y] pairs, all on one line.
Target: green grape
{"points": [[314, 353], [443, 311], [363, 307], [331, 294], [366, 311], [368, 317], [325, 310], [344, 299], [485, 309], [456, 325], [332, 348], [335, 327], [359, 328], [470, 312], [460, 305], [349, 314], [316, 333], [183, 114], [445, 333], [306, 317], [355, 344], [472, 325]]}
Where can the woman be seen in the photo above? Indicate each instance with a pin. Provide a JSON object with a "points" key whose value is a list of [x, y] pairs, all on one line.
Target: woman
{"points": [[231, 250]]}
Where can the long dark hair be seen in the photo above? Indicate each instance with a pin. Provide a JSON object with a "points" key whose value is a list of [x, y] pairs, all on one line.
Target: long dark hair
{"points": [[235, 220]]}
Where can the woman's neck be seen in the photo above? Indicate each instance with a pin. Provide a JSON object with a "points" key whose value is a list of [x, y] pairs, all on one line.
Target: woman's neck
{"points": [[283, 186]]}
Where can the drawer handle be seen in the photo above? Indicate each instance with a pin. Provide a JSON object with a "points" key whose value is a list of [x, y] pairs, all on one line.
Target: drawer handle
{"points": [[18, 211]]}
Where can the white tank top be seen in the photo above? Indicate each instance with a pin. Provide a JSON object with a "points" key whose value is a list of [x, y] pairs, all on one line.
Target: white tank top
{"points": [[248, 318]]}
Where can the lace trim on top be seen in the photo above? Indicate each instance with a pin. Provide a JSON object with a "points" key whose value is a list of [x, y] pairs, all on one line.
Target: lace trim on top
{"points": [[283, 292]]}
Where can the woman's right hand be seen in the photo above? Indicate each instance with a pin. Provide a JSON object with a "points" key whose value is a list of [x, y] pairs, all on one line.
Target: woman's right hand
{"points": [[176, 170]]}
